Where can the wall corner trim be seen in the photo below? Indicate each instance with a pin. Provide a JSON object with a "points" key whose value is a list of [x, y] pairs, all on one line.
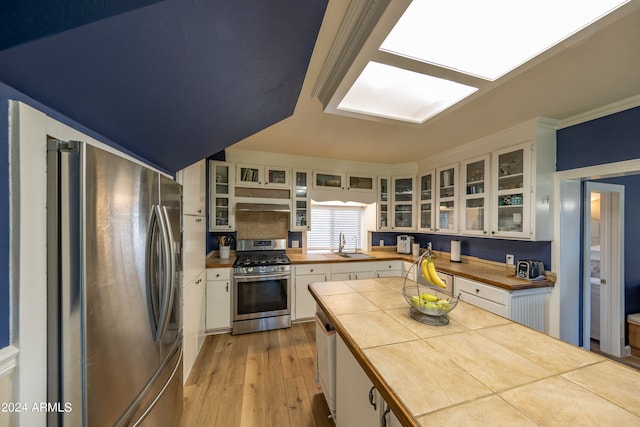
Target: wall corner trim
{"points": [[8, 358]]}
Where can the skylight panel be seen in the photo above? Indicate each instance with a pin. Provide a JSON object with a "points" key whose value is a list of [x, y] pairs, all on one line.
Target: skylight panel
{"points": [[489, 38], [390, 92]]}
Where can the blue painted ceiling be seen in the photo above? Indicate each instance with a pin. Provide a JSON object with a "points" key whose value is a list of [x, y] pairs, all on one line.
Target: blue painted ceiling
{"points": [[173, 81]]}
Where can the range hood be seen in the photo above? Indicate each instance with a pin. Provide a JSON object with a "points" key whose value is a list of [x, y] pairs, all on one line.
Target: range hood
{"points": [[262, 207]]}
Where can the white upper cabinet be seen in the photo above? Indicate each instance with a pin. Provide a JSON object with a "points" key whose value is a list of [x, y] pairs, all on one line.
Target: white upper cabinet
{"points": [[301, 206], [474, 203], [384, 204], [221, 216], [447, 199], [426, 201], [403, 197], [360, 183], [193, 188], [262, 176], [511, 199], [328, 180]]}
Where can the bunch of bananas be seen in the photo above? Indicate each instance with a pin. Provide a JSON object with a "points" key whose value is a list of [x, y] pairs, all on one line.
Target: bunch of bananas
{"points": [[429, 273]]}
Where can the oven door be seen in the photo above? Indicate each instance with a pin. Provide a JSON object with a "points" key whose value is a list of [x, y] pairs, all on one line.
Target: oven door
{"points": [[260, 296]]}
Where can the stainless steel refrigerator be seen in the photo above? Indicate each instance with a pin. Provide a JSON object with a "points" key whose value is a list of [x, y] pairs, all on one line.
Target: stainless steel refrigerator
{"points": [[114, 290]]}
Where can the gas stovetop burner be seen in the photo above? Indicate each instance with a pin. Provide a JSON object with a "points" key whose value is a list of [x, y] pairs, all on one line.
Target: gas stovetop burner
{"points": [[252, 259]]}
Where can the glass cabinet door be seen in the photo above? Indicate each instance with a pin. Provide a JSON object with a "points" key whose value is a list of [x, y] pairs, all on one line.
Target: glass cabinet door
{"points": [[475, 173], [384, 200], [221, 188], [426, 202], [403, 203], [447, 194], [511, 198], [300, 211], [249, 175]]}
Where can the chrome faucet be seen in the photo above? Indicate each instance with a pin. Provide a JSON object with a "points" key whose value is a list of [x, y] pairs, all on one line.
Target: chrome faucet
{"points": [[342, 242]]}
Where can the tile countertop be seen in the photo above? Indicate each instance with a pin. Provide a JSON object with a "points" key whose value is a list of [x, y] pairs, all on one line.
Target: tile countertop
{"points": [[493, 273], [480, 369]]}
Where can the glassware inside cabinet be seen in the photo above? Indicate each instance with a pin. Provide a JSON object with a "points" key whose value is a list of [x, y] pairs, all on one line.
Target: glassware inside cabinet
{"points": [[510, 211], [474, 214], [447, 179], [404, 216], [446, 221], [301, 213], [510, 173], [403, 189], [425, 215], [222, 179], [475, 178], [222, 211], [301, 184], [426, 184], [384, 189], [384, 221]]}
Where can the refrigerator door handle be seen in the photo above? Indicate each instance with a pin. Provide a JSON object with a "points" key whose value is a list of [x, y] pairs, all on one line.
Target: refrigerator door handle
{"points": [[168, 292], [158, 280]]}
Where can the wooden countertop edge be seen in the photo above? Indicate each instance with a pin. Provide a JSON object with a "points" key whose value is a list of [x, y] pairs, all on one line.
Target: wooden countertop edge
{"points": [[477, 268], [403, 415]]}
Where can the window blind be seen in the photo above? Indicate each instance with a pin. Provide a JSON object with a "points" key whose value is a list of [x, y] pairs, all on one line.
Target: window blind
{"points": [[328, 222]]}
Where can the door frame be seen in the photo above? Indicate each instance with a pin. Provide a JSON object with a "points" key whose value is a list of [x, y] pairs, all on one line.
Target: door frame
{"points": [[612, 268], [565, 247]]}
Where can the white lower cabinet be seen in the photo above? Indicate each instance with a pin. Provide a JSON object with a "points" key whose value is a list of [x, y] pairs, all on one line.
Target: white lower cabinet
{"points": [[192, 322], [218, 299], [387, 268], [527, 306], [358, 402], [352, 271], [303, 275]]}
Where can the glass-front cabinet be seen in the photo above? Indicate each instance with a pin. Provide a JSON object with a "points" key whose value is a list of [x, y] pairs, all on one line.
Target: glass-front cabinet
{"points": [[426, 182], [403, 203], [474, 200], [360, 183], [221, 196], [328, 180], [300, 214], [258, 176], [512, 190], [384, 203], [447, 191]]}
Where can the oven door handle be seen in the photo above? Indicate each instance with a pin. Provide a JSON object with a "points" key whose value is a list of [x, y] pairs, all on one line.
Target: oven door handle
{"points": [[261, 276]]}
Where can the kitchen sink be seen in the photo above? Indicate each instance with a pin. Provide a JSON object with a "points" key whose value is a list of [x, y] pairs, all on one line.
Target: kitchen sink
{"points": [[355, 255]]}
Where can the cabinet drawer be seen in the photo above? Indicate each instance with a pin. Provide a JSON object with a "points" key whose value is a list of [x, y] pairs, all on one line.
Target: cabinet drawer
{"points": [[307, 269], [482, 290], [353, 267], [218, 273], [485, 304], [393, 265]]}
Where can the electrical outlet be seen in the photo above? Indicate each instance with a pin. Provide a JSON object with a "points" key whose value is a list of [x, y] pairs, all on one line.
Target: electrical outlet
{"points": [[295, 243], [510, 260]]}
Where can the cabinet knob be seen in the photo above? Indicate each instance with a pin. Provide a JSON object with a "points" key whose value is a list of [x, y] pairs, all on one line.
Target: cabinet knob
{"points": [[312, 270], [477, 291], [199, 210], [198, 219], [493, 232], [227, 286]]}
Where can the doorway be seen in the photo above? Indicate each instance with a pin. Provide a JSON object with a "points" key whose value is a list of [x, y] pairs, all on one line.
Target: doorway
{"points": [[603, 268]]}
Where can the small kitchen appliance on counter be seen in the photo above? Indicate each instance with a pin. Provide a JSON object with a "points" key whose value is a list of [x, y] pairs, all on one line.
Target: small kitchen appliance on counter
{"points": [[530, 269], [404, 243]]}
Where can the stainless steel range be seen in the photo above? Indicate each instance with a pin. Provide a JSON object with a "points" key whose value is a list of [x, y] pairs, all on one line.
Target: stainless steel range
{"points": [[261, 291]]}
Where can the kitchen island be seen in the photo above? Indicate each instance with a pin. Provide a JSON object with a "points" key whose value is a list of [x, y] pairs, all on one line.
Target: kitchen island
{"points": [[480, 369]]}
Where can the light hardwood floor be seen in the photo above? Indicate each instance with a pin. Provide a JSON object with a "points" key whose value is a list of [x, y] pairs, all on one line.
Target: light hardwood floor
{"points": [[260, 379]]}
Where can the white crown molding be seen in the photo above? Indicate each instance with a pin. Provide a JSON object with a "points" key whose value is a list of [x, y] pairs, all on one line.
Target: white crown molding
{"points": [[8, 357], [359, 20], [603, 111]]}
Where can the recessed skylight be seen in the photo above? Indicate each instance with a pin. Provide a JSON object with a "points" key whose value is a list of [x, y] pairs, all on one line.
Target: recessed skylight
{"points": [[489, 38], [385, 91]]}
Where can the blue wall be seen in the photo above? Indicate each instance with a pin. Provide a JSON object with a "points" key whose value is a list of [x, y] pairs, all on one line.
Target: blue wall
{"points": [[7, 93], [613, 138], [489, 249], [610, 139]]}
